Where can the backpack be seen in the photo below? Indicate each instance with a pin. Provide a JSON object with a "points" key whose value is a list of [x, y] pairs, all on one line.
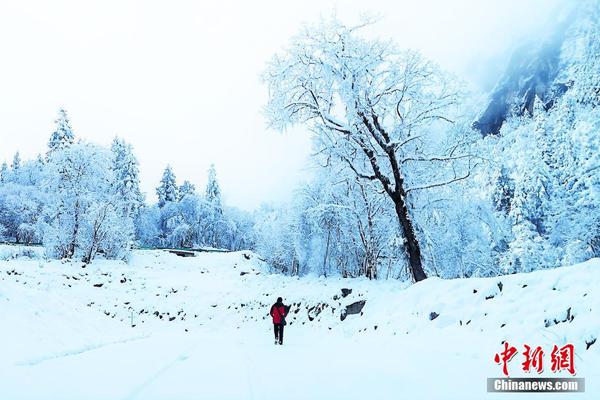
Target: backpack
{"points": [[282, 321]]}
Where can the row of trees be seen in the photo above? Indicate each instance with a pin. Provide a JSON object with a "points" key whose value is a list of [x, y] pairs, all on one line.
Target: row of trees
{"points": [[184, 218], [80, 200], [404, 187]]}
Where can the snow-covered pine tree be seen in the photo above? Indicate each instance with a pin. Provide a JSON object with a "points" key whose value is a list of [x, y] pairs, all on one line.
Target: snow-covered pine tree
{"points": [[167, 190], [218, 228], [3, 172], [186, 188], [504, 191], [63, 136], [213, 190], [16, 163], [127, 181]]}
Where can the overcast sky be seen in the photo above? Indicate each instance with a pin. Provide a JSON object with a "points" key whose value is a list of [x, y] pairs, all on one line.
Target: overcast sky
{"points": [[179, 80]]}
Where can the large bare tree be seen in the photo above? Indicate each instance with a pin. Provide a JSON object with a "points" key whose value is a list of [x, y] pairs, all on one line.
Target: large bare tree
{"points": [[371, 106]]}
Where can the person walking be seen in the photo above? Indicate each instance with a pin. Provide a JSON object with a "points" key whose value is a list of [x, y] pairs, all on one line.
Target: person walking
{"points": [[278, 312]]}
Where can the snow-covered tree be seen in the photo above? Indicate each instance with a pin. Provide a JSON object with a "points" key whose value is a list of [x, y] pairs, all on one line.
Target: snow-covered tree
{"points": [[213, 190], [82, 215], [186, 188], [372, 107], [63, 135], [16, 163], [148, 229], [167, 191], [126, 178], [3, 172], [20, 211]]}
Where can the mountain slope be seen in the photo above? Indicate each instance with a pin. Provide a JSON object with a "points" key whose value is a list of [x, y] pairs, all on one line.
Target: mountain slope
{"points": [[566, 60]]}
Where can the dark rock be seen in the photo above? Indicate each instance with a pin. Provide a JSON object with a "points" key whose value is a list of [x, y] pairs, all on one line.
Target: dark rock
{"points": [[354, 308], [433, 315], [346, 292], [98, 284], [589, 343]]}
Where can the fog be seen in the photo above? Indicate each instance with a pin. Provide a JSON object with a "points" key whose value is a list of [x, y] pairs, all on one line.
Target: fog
{"points": [[180, 81]]}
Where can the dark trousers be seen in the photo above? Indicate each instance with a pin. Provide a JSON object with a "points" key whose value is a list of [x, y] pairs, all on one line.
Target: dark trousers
{"points": [[278, 329]]}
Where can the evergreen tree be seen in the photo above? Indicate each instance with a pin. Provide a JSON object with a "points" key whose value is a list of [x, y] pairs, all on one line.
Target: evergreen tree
{"points": [[167, 191], [186, 188], [504, 191], [126, 175], [63, 136], [213, 190], [3, 172], [16, 164]]}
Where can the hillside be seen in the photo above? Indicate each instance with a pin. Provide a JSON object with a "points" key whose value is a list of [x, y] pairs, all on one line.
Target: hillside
{"points": [[163, 326], [565, 59]]}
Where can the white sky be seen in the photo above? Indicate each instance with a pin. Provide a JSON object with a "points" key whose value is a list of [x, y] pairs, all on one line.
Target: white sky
{"points": [[180, 79]]}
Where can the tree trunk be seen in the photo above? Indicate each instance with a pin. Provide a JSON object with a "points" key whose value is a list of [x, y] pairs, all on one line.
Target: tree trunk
{"points": [[412, 244], [326, 252], [72, 244]]}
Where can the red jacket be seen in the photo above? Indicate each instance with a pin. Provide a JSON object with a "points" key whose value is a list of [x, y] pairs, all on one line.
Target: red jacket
{"points": [[277, 311]]}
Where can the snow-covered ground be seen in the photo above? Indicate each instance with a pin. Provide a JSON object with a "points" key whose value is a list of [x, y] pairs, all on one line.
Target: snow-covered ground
{"points": [[167, 327]]}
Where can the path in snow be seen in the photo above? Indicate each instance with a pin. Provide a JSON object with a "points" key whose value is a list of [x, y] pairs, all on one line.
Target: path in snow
{"points": [[244, 364]]}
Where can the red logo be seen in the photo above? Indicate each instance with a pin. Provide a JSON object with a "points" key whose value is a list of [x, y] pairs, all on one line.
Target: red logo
{"points": [[561, 358]]}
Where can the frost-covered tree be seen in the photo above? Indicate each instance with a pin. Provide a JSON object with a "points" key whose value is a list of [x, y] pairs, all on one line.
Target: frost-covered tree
{"points": [[63, 135], [213, 190], [20, 211], [82, 214], [126, 178], [16, 163], [3, 172], [275, 237], [374, 108], [186, 188], [167, 191], [147, 225], [218, 226]]}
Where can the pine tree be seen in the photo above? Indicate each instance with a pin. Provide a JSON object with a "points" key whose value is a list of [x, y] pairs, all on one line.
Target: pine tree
{"points": [[63, 136], [16, 164], [40, 160], [504, 191], [213, 190], [167, 190], [186, 188], [3, 172], [126, 175]]}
